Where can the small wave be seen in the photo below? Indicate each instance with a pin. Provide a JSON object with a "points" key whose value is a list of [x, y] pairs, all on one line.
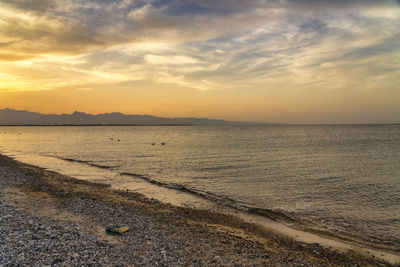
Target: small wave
{"points": [[222, 200], [276, 215], [86, 162], [147, 179], [218, 168], [272, 214]]}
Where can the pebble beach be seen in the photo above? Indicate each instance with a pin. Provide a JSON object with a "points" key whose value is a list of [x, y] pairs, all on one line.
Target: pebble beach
{"points": [[48, 219]]}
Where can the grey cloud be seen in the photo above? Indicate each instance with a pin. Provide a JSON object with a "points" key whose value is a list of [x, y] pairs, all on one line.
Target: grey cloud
{"points": [[390, 46], [5, 44], [306, 42], [339, 3], [32, 5]]}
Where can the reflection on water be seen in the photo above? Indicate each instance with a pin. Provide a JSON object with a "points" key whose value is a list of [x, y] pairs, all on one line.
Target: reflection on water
{"points": [[342, 179]]}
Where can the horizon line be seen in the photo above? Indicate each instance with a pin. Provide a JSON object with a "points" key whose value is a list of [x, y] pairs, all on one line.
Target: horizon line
{"points": [[250, 123]]}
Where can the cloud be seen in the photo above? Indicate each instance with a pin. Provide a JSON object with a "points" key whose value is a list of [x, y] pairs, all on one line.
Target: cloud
{"points": [[170, 60], [327, 4], [32, 5], [199, 44], [74, 26], [13, 57]]}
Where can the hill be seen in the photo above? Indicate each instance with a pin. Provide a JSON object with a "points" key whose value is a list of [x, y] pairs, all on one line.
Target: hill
{"points": [[23, 117]]}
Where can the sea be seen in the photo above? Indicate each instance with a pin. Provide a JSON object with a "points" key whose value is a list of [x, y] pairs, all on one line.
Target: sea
{"points": [[343, 180]]}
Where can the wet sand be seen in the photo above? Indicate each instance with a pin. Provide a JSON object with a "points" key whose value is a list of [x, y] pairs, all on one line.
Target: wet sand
{"points": [[49, 218]]}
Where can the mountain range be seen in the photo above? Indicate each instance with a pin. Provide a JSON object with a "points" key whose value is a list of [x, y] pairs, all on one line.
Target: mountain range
{"points": [[23, 117]]}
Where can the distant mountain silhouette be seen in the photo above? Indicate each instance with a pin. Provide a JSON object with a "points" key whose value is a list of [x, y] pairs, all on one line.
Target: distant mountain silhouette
{"points": [[23, 117]]}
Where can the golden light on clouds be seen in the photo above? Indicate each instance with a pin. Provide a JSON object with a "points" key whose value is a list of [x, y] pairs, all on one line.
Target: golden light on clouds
{"points": [[287, 61]]}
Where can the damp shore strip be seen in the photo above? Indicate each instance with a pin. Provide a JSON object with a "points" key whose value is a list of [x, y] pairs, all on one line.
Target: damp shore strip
{"points": [[49, 218]]}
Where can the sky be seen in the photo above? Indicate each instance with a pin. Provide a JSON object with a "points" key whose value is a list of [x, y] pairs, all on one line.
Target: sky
{"points": [[289, 61]]}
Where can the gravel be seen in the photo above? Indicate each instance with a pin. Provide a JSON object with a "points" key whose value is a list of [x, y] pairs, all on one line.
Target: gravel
{"points": [[47, 219]]}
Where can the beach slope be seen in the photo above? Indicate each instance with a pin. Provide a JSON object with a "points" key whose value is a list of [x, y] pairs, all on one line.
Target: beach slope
{"points": [[51, 219]]}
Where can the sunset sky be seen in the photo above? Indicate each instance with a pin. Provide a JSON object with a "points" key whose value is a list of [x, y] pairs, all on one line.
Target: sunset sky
{"points": [[294, 61]]}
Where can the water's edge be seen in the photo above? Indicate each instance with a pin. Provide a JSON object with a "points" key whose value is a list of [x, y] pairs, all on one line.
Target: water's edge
{"points": [[274, 215], [270, 219]]}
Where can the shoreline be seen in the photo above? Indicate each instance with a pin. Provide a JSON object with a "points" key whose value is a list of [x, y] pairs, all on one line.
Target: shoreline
{"points": [[178, 195], [226, 239]]}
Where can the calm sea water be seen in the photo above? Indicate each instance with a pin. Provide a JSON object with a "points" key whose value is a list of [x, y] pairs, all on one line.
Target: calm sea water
{"points": [[340, 179]]}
